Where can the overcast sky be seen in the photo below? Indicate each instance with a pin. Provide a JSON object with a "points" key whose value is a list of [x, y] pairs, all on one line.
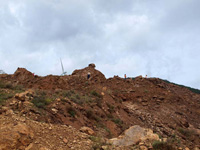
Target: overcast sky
{"points": [[136, 37]]}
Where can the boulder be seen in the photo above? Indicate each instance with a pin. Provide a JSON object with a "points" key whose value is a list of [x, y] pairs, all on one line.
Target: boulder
{"points": [[134, 135], [92, 65], [15, 137], [81, 74], [27, 95], [87, 130]]}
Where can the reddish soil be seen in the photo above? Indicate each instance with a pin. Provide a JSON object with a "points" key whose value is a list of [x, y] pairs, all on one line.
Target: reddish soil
{"points": [[109, 106]]}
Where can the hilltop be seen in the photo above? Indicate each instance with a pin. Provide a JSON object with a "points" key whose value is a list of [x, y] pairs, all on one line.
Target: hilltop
{"points": [[73, 112]]}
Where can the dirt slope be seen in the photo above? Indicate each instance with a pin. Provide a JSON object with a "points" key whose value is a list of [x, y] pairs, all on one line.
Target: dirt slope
{"points": [[108, 106]]}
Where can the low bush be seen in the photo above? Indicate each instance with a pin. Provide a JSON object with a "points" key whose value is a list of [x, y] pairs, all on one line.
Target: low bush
{"points": [[186, 132], [8, 85], [41, 101], [71, 111], [160, 145], [68, 93], [76, 97], [111, 108], [117, 121], [97, 142], [94, 93], [91, 115], [5, 96]]}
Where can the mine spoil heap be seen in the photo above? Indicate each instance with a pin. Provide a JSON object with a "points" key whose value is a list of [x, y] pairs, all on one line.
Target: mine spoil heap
{"points": [[77, 112]]}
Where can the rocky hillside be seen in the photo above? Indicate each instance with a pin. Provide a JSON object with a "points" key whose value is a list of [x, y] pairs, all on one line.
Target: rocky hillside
{"points": [[73, 112]]}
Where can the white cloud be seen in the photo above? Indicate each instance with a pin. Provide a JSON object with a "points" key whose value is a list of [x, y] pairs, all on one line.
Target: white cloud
{"points": [[157, 38]]}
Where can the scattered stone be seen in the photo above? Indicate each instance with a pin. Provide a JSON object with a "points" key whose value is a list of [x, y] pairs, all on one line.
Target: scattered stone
{"points": [[164, 139], [141, 143], [58, 99], [105, 147], [54, 110], [161, 98], [65, 140]]}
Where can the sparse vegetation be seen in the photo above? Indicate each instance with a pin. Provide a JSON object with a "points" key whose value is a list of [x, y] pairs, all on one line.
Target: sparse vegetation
{"points": [[186, 132], [5, 96], [108, 131], [71, 111], [98, 142], [174, 139], [190, 88], [94, 93], [117, 121], [8, 85], [111, 108], [41, 100], [91, 115], [160, 145], [99, 102], [68, 93], [76, 97]]}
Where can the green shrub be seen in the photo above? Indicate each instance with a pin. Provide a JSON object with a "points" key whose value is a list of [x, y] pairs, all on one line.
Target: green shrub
{"points": [[111, 108], [109, 115], [186, 132], [41, 101], [68, 93], [108, 131], [86, 99], [8, 85], [117, 121], [94, 93], [76, 97], [97, 142], [71, 111], [99, 102], [2, 84], [91, 115], [18, 88], [5, 96], [160, 145]]}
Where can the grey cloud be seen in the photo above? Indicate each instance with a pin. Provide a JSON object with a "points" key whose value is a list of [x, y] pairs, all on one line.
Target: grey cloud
{"points": [[135, 37]]}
